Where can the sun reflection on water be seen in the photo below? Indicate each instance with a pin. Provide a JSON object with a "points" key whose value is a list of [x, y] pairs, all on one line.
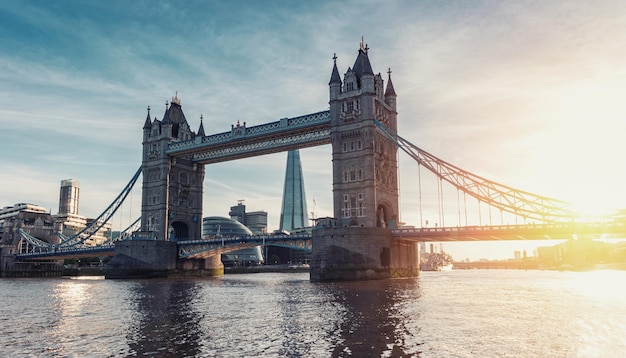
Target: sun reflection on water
{"points": [[601, 284]]}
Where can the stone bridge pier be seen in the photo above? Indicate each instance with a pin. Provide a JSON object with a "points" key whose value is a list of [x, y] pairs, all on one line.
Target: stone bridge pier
{"points": [[361, 254]]}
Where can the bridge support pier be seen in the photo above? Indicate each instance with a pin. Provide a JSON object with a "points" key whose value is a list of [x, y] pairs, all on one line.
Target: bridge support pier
{"points": [[142, 259], [211, 267], [358, 253], [157, 258]]}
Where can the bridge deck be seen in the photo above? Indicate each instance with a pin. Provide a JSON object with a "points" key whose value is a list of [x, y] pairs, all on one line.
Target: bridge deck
{"points": [[559, 231]]}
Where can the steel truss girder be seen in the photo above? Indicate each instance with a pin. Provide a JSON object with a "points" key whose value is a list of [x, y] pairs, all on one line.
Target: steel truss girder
{"points": [[242, 142], [518, 202], [206, 248], [31, 244], [127, 233], [274, 144]]}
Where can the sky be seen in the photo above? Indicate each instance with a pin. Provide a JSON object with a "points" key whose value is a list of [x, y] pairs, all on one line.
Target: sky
{"points": [[525, 93]]}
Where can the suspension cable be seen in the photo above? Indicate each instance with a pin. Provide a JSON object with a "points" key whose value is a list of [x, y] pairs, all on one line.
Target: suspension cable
{"points": [[458, 205], [419, 184]]}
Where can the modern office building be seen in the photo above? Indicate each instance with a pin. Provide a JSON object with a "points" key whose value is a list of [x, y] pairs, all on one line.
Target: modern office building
{"points": [[256, 221], [69, 196], [217, 226], [68, 221]]}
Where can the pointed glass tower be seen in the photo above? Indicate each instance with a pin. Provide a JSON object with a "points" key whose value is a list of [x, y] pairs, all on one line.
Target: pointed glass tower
{"points": [[293, 214]]}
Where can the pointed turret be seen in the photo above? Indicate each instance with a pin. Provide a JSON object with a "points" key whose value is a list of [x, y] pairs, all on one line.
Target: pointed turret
{"points": [[335, 81], [148, 122], [201, 129], [390, 93], [334, 77], [166, 115], [363, 69], [362, 64]]}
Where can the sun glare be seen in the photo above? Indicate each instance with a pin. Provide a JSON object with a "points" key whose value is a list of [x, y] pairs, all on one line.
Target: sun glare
{"points": [[600, 284]]}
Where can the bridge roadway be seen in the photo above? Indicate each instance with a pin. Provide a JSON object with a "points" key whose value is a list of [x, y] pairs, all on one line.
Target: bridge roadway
{"points": [[186, 249], [205, 248], [554, 231]]}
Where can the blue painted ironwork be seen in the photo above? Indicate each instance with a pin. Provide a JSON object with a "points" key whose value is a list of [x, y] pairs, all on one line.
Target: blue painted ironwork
{"points": [[548, 231], [103, 218], [242, 142], [31, 244], [518, 202], [206, 248], [58, 253], [126, 233]]}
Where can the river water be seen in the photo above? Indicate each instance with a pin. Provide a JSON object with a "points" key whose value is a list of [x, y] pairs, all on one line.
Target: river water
{"points": [[475, 313]]}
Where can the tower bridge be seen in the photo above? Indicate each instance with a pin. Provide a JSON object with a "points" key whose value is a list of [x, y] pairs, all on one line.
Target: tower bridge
{"points": [[363, 240]]}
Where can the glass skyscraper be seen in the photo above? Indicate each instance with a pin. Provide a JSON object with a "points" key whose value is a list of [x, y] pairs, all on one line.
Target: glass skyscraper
{"points": [[293, 214]]}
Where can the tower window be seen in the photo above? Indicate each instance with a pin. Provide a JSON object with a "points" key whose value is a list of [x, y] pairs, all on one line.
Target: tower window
{"points": [[349, 106]]}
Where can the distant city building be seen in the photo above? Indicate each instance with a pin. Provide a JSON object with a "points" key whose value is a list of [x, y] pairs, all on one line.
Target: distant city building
{"points": [[32, 219], [294, 214], [69, 197], [68, 222], [216, 226], [256, 221]]}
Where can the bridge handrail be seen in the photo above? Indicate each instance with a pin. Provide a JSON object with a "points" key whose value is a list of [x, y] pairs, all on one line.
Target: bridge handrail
{"points": [[557, 225], [62, 251], [246, 238]]}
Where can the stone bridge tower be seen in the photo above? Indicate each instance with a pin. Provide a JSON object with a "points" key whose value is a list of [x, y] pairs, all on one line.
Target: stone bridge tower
{"points": [[358, 243], [365, 166], [171, 207]]}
